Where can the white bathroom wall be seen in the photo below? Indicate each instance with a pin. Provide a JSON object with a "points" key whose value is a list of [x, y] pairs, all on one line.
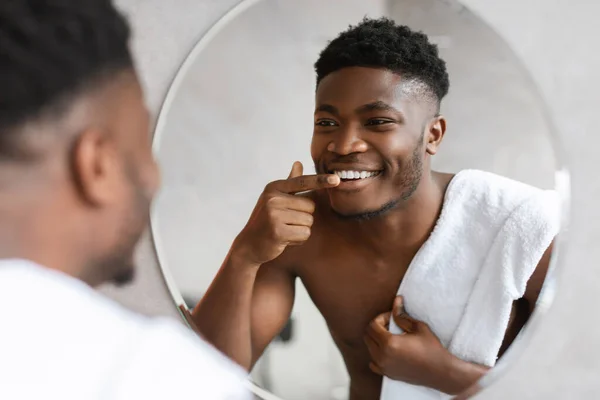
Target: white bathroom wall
{"points": [[563, 360]]}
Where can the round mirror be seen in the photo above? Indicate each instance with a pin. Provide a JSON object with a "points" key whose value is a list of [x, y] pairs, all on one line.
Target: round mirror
{"points": [[469, 258]]}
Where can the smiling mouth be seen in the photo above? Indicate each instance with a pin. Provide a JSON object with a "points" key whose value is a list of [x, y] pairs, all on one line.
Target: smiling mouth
{"points": [[354, 175]]}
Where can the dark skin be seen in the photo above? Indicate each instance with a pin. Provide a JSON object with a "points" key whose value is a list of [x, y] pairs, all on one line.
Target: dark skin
{"points": [[366, 120], [80, 202]]}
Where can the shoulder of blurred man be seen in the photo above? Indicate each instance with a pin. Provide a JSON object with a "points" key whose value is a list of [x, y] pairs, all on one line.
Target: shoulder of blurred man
{"points": [[61, 336]]}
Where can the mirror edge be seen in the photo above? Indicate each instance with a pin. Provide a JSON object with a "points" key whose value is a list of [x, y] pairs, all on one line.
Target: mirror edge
{"points": [[176, 82], [562, 187]]}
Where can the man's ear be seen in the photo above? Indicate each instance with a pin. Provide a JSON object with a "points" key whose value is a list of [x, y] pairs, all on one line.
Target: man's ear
{"points": [[435, 133], [95, 167]]}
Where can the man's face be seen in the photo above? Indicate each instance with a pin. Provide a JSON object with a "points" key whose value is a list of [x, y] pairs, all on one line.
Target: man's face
{"points": [[372, 130], [137, 179]]}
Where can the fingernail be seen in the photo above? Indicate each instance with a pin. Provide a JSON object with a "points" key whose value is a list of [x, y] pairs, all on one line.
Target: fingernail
{"points": [[399, 306], [332, 179]]}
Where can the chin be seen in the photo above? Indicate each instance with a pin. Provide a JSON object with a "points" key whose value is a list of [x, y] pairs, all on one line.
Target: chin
{"points": [[122, 269], [346, 212], [124, 277]]}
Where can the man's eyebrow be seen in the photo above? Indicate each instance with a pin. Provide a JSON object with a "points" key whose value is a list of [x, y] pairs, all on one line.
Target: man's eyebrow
{"points": [[377, 106], [373, 106], [328, 108]]}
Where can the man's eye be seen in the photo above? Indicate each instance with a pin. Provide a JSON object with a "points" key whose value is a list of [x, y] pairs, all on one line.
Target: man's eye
{"points": [[325, 122], [378, 121]]}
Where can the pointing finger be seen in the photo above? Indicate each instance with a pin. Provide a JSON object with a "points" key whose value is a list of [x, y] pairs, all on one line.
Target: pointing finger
{"points": [[307, 182]]}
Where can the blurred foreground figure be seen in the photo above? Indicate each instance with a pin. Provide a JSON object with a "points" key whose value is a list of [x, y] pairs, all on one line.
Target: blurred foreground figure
{"points": [[77, 178]]}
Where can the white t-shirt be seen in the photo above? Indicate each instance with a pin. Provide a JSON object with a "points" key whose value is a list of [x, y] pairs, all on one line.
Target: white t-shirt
{"points": [[60, 339]]}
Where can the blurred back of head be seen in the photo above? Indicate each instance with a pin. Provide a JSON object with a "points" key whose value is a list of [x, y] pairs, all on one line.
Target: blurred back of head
{"points": [[76, 169], [51, 51]]}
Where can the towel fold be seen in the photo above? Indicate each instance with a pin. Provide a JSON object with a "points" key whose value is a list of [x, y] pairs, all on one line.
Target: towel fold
{"points": [[490, 236]]}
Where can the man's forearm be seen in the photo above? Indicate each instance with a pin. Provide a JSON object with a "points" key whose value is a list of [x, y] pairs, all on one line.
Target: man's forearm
{"points": [[460, 375], [223, 315]]}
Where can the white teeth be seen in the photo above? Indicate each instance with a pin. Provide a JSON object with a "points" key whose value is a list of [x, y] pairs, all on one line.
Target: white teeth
{"points": [[355, 174]]}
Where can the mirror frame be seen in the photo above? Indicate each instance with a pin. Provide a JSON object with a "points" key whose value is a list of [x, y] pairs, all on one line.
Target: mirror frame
{"points": [[562, 186]]}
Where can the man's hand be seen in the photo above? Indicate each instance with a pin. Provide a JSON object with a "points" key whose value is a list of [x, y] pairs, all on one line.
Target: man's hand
{"points": [[416, 356], [469, 393], [281, 219]]}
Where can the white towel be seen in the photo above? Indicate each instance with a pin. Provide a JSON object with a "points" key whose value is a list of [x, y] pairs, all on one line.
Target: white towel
{"points": [[489, 238]]}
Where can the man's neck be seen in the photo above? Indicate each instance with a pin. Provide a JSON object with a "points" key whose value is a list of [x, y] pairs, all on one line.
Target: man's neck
{"points": [[31, 234], [406, 227]]}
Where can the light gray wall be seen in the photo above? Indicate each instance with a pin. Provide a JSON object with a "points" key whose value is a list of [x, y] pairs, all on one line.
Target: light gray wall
{"points": [[565, 69], [495, 120], [556, 41]]}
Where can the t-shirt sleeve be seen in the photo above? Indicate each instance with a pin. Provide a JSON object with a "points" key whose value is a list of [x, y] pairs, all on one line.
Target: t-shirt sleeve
{"points": [[166, 361]]}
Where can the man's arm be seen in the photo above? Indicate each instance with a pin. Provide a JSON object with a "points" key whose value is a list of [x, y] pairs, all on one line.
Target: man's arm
{"points": [[524, 307], [536, 281], [251, 297], [466, 374], [245, 307]]}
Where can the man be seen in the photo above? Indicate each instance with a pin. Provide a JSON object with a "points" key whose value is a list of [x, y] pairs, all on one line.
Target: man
{"points": [[76, 179], [370, 209]]}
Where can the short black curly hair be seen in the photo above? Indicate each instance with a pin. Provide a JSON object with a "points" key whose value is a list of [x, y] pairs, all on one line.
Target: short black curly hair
{"points": [[51, 50], [381, 43]]}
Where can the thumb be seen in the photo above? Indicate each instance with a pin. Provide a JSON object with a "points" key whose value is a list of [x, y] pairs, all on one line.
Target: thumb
{"points": [[401, 318], [406, 323], [398, 307], [297, 170]]}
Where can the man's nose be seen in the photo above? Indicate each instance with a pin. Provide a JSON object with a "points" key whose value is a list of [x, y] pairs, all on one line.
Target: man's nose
{"points": [[347, 141]]}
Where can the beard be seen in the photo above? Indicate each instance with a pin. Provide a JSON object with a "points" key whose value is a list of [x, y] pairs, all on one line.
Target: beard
{"points": [[119, 265], [124, 271], [117, 268], [407, 181]]}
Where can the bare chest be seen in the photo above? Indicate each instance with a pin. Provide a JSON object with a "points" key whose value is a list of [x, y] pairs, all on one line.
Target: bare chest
{"points": [[350, 289]]}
